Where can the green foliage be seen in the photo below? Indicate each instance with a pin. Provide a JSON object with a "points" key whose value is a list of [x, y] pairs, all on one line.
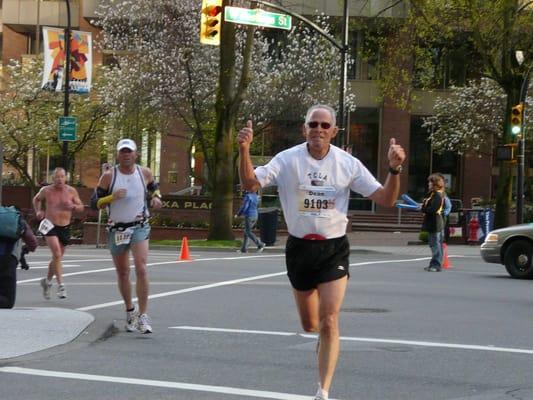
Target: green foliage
{"points": [[423, 236]]}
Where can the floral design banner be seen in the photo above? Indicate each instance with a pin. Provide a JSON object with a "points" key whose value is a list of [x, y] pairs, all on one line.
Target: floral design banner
{"points": [[54, 60]]}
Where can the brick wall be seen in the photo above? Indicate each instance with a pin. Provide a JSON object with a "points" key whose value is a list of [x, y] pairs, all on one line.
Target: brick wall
{"points": [[14, 44]]}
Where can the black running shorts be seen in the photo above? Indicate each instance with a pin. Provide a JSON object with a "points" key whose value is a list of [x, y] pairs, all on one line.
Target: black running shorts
{"points": [[62, 233], [311, 262]]}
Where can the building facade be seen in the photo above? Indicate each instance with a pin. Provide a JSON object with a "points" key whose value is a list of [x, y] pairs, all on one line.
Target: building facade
{"points": [[371, 125]]}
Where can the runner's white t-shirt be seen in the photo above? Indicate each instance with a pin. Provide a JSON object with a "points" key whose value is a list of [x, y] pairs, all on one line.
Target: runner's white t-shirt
{"points": [[314, 194]]}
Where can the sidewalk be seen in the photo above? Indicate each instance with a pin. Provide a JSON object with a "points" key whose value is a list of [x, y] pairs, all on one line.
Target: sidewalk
{"points": [[28, 330]]}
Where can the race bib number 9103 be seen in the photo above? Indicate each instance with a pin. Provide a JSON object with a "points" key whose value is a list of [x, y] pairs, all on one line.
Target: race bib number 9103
{"points": [[316, 201]]}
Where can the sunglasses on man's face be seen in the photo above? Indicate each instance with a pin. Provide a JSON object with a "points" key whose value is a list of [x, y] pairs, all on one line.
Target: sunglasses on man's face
{"points": [[314, 124]]}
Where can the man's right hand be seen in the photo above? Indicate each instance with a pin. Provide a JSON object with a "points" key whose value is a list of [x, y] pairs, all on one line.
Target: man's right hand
{"points": [[120, 193], [246, 136], [40, 214]]}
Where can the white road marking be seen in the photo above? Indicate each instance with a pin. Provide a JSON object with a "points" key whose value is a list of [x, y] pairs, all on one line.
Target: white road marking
{"points": [[64, 266], [389, 261], [71, 261], [202, 287], [93, 271], [187, 290], [260, 394], [363, 339]]}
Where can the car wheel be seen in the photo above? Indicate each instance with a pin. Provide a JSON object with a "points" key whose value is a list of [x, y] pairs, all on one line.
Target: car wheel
{"points": [[517, 259]]}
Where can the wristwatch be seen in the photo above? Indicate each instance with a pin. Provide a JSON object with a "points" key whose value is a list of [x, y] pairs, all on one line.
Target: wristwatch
{"points": [[396, 171]]}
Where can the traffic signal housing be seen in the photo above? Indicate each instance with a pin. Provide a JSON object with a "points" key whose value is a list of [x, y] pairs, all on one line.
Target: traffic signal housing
{"points": [[211, 22], [517, 116]]}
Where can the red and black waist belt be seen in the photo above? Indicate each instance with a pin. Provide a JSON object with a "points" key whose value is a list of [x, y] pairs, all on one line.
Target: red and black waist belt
{"points": [[314, 236]]}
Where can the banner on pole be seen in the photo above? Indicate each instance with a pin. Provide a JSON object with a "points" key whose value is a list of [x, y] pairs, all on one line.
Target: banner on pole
{"points": [[54, 60]]}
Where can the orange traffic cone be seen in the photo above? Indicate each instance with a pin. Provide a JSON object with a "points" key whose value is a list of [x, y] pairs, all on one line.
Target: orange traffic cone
{"points": [[445, 262], [184, 254]]}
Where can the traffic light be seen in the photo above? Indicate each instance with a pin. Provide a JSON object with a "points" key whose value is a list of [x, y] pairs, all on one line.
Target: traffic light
{"points": [[211, 22], [517, 114]]}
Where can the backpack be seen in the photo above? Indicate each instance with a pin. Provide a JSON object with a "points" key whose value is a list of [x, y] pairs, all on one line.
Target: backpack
{"points": [[10, 223], [447, 206]]}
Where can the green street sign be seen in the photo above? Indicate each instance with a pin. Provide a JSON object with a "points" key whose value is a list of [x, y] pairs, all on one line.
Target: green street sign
{"points": [[257, 17], [67, 129]]}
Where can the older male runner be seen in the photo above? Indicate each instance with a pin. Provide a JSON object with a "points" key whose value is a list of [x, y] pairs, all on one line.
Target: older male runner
{"points": [[314, 180], [125, 190], [60, 201]]}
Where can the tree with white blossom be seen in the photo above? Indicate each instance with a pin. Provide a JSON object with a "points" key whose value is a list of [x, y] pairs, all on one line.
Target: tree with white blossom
{"points": [[469, 119], [253, 74], [488, 32], [29, 119]]}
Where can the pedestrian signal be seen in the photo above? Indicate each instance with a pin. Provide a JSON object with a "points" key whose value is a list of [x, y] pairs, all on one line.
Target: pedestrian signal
{"points": [[211, 22], [517, 113]]}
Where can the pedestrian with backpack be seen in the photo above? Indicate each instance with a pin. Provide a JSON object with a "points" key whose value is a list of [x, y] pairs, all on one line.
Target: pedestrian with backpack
{"points": [[249, 211], [12, 250], [54, 205], [433, 223]]}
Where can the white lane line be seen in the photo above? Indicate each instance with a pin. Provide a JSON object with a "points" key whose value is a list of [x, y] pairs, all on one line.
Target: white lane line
{"points": [[187, 290], [363, 339], [152, 264], [203, 287], [389, 261], [206, 329], [71, 261], [64, 266], [260, 394]]}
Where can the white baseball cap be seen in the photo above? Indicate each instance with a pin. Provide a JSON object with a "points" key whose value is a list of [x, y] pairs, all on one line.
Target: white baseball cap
{"points": [[126, 144]]}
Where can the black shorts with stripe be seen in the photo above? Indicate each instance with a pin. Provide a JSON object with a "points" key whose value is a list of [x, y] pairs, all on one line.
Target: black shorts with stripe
{"points": [[311, 262], [62, 233]]}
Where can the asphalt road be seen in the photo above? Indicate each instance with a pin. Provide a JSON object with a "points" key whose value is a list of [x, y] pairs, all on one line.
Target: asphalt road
{"points": [[225, 327]]}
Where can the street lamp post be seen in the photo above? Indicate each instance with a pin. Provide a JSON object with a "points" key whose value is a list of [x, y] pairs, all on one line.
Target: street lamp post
{"points": [[65, 160], [521, 145]]}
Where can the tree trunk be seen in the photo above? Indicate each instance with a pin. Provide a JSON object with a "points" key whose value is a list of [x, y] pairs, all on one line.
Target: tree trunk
{"points": [[503, 196], [221, 216], [229, 97]]}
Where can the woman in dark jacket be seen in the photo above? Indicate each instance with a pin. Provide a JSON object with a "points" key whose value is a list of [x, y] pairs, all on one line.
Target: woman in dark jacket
{"points": [[10, 253], [433, 220]]}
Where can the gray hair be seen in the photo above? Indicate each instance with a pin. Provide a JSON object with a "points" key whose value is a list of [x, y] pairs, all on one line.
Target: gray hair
{"points": [[322, 107]]}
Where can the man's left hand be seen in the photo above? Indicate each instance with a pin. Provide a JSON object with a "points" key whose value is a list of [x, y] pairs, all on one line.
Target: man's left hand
{"points": [[396, 154]]}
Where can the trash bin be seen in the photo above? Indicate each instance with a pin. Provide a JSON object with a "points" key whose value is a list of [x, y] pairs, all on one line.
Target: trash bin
{"points": [[454, 223], [268, 224]]}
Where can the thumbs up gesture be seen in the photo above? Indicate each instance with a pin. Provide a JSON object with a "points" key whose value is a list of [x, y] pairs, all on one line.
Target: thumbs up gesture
{"points": [[245, 136], [396, 154]]}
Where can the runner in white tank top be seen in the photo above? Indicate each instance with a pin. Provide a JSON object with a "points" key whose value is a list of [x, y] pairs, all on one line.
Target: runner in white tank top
{"points": [[132, 207], [124, 189]]}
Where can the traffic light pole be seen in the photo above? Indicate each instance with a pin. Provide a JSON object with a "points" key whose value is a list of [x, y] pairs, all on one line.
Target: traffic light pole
{"points": [[343, 135], [521, 154], [520, 181], [66, 107]]}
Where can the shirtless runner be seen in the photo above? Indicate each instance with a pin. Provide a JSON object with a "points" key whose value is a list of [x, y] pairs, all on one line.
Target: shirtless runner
{"points": [[60, 200]]}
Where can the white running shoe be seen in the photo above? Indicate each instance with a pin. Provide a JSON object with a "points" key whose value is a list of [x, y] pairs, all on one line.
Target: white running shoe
{"points": [[62, 292], [261, 247], [46, 288], [144, 324], [132, 318], [321, 394]]}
